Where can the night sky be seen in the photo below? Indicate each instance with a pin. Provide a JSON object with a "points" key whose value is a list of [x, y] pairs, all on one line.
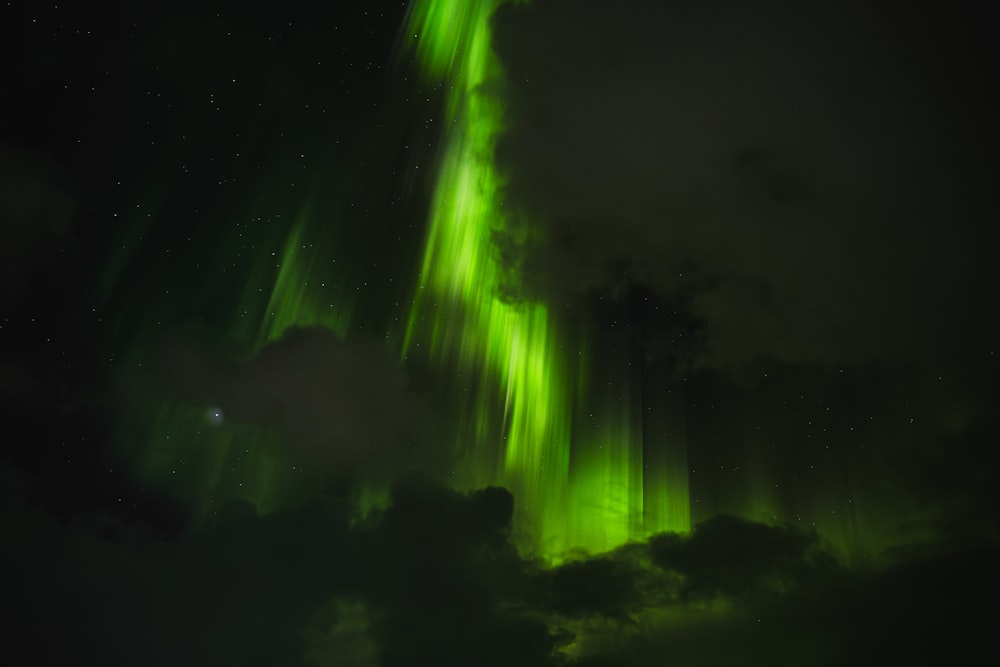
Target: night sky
{"points": [[499, 333]]}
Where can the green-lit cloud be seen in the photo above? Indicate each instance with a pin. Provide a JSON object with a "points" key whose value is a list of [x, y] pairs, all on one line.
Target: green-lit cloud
{"points": [[435, 578]]}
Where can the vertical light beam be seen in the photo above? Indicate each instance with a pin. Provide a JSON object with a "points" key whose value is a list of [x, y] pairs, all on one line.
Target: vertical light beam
{"points": [[577, 485]]}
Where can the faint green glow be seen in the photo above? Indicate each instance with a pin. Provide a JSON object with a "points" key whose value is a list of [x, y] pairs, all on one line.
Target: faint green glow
{"points": [[367, 498], [340, 633], [577, 485], [596, 636], [203, 465], [173, 446], [299, 296]]}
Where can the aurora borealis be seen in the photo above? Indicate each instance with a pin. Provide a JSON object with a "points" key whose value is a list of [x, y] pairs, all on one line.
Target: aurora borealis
{"points": [[498, 332], [578, 487]]}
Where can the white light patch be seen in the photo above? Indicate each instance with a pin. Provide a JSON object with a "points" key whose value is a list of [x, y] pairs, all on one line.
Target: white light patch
{"points": [[214, 415]]}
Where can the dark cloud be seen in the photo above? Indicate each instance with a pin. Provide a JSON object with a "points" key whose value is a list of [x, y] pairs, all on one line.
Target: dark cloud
{"points": [[725, 558], [449, 583], [342, 405], [103, 589], [729, 555], [432, 580], [739, 592], [930, 612], [613, 586], [435, 579], [813, 183]]}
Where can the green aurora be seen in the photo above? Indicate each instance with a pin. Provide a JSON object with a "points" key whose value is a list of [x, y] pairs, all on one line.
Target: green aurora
{"points": [[578, 486], [498, 332], [545, 402]]}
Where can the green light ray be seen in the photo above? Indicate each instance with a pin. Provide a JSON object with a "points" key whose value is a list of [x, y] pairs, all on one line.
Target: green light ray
{"points": [[203, 465], [299, 296], [171, 445], [576, 487], [511, 345]]}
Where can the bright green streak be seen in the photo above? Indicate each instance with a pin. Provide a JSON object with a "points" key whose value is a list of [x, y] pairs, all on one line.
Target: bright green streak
{"points": [[300, 296], [510, 348], [577, 485]]}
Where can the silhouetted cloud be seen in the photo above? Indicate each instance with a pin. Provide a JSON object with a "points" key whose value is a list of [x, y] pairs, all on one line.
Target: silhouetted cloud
{"points": [[435, 577], [813, 183], [343, 406]]}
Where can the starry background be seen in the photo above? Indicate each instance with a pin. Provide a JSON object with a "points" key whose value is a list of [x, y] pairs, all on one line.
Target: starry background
{"points": [[826, 307]]}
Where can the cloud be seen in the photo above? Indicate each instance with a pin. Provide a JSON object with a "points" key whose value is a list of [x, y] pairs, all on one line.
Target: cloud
{"points": [[730, 556], [449, 583], [602, 586], [435, 577], [753, 594], [341, 405], [812, 183], [105, 589]]}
